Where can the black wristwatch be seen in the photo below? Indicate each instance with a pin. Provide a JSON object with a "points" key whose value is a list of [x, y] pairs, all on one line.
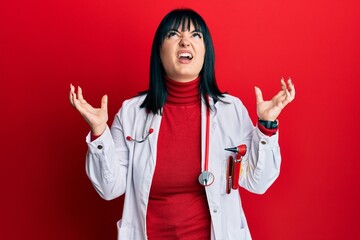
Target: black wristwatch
{"points": [[269, 124]]}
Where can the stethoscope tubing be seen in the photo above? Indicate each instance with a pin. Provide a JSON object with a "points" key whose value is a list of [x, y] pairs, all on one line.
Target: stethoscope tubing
{"points": [[206, 178], [150, 131]]}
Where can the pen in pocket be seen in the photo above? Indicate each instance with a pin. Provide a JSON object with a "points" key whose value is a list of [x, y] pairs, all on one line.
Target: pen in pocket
{"points": [[229, 170]]}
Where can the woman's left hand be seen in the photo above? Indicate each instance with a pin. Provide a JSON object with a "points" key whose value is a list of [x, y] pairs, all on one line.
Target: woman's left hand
{"points": [[270, 110]]}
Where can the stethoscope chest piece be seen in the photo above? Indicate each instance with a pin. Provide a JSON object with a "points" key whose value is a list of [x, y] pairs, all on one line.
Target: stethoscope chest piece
{"points": [[206, 178]]}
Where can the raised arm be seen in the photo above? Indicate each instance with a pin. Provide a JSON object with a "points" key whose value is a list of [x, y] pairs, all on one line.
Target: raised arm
{"points": [[262, 165], [107, 155]]}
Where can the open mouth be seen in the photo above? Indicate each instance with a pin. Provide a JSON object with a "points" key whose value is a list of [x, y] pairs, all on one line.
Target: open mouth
{"points": [[185, 56]]}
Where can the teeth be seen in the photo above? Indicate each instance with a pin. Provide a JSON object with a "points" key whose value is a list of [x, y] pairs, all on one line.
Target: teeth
{"points": [[188, 55]]}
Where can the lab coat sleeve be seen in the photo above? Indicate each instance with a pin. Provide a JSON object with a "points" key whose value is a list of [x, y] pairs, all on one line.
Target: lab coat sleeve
{"points": [[107, 161], [261, 164]]}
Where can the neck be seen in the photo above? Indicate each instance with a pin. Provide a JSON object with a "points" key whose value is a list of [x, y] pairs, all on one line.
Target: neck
{"points": [[183, 79], [183, 93]]}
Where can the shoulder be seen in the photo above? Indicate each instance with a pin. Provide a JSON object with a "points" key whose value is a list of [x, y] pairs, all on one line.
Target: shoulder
{"points": [[134, 102], [230, 106], [131, 107], [229, 100]]}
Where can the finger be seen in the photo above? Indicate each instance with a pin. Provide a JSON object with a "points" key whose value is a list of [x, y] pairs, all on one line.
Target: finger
{"points": [[72, 89], [280, 95], [290, 92], [75, 102], [80, 95], [287, 98], [73, 98], [104, 102], [283, 84], [77, 105], [282, 98], [291, 88], [258, 94]]}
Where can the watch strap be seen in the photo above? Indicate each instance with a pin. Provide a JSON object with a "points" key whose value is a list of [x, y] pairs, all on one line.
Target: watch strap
{"points": [[269, 124]]}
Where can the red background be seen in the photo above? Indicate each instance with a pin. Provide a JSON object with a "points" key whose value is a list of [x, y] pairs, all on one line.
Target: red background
{"points": [[104, 46]]}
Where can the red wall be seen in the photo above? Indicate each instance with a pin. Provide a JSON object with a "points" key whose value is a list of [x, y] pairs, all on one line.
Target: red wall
{"points": [[104, 46]]}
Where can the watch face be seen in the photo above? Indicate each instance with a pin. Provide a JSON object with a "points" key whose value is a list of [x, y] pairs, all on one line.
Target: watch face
{"points": [[269, 124], [274, 124]]}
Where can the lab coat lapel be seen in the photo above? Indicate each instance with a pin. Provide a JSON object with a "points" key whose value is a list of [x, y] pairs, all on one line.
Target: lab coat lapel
{"points": [[153, 138]]}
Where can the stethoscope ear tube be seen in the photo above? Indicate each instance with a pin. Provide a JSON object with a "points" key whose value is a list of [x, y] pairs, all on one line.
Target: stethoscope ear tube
{"points": [[129, 138], [144, 138]]}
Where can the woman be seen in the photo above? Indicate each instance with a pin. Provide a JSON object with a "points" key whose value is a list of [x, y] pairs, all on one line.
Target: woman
{"points": [[163, 139]]}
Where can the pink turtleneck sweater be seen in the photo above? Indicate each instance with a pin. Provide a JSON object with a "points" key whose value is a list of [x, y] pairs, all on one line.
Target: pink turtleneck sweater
{"points": [[177, 206]]}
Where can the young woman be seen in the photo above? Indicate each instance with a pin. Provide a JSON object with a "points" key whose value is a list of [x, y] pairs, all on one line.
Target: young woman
{"points": [[163, 139]]}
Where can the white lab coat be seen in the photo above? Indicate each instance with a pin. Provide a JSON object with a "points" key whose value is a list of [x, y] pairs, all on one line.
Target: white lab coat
{"points": [[116, 166]]}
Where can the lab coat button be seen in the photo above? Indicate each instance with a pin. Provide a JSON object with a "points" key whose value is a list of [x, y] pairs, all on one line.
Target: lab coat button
{"points": [[99, 147], [263, 142], [215, 210]]}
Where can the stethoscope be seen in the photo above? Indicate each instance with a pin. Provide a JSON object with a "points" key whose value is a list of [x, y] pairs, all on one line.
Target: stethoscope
{"points": [[145, 135], [206, 178]]}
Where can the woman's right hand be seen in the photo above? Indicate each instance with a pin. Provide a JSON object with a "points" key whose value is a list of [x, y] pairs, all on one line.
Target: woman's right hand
{"points": [[96, 117]]}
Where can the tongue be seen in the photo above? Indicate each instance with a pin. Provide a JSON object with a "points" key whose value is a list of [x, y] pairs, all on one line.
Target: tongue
{"points": [[184, 60]]}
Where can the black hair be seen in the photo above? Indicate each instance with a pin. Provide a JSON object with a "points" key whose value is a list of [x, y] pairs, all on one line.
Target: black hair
{"points": [[157, 93]]}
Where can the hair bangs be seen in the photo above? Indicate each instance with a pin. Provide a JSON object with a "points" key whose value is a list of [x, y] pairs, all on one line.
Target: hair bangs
{"points": [[182, 19]]}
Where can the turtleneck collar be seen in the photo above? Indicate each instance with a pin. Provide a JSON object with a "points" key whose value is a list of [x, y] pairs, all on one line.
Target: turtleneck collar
{"points": [[183, 93]]}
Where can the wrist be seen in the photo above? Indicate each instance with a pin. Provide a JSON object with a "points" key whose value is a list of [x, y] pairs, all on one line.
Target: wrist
{"points": [[97, 131]]}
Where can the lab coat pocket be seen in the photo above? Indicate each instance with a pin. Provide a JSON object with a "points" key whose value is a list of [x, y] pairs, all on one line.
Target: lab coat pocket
{"points": [[125, 232], [236, 234]]}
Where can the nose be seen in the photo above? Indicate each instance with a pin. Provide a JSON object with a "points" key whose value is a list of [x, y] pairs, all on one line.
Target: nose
{"points": [[184, 42]]}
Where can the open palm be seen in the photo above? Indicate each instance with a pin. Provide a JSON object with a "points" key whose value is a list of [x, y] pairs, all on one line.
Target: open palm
{"points": [[270, 110], [95, 117]]}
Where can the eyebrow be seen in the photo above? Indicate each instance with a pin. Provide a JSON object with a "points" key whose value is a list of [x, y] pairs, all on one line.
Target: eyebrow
{"points": [[194, 31]]}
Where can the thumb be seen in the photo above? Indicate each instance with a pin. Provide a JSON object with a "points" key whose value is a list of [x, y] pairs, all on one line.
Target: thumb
{"points": [[104, 102], [258, 94]]}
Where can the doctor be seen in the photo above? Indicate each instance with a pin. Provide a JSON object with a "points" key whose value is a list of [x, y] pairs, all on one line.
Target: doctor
{"points": [[162, 140]]}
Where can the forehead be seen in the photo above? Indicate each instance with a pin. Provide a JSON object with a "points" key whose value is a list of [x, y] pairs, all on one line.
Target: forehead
{"points": [[185, 26], [183, 23]]}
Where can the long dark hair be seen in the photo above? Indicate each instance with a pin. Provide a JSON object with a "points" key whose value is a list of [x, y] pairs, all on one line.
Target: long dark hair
{"points": [[157, 93]]}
